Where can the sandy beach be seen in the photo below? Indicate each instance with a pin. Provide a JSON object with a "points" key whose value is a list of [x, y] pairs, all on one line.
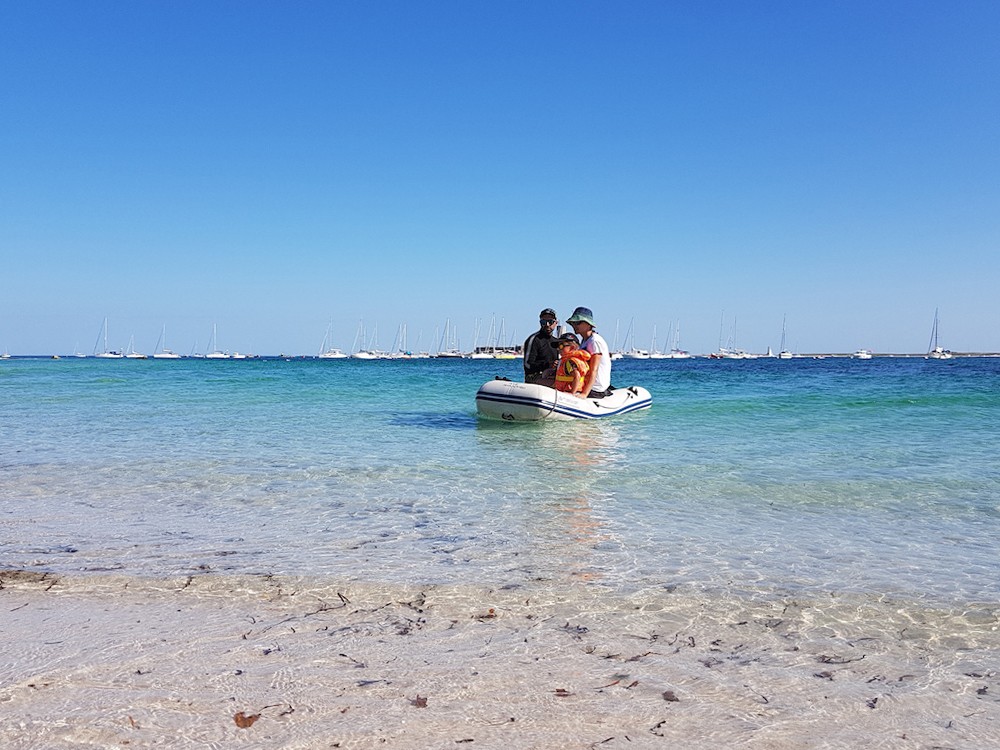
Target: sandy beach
{"points": [[261, 661]]}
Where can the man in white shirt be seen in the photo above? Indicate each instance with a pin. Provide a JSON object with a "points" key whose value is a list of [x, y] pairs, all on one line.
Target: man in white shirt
{"points": [[598, 382]]}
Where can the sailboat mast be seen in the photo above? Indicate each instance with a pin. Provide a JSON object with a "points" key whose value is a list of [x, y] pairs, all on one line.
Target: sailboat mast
{"points": [[934, 333]]}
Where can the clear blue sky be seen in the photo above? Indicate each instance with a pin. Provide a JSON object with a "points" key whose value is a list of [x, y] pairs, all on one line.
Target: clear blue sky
{"points": [[272, 166]]}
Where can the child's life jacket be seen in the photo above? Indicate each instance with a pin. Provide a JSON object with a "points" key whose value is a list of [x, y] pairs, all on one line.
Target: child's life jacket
{"points": [[573, 368]]}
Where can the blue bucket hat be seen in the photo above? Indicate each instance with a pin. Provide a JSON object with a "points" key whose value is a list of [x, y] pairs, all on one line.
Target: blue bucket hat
{"points": [[581, 315]]}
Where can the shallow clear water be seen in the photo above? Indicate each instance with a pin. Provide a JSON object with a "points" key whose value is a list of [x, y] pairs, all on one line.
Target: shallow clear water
{"points": [[803, 476]]}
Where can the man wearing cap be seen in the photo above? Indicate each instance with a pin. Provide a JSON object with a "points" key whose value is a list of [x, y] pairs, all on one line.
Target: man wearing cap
{"points": [[539, 356], [597, 383]]}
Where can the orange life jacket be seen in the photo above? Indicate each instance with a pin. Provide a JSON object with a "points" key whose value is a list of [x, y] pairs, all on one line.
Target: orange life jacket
{"points": [[571, 365]]}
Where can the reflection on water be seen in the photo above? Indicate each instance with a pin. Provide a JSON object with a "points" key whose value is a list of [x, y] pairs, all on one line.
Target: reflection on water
{"points": [[564, 472], [434, 420]]}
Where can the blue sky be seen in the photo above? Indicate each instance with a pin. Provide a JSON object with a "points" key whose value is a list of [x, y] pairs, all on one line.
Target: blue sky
{"points": [[272, 166]]}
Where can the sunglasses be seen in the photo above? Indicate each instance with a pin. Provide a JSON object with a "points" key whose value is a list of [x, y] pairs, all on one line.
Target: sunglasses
{"points": [[546, 322]]}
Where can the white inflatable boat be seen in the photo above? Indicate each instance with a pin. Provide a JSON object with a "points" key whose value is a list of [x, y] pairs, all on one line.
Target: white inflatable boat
{"points": [[527, 402]]}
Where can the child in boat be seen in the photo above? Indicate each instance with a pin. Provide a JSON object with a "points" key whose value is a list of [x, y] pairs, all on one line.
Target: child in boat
{"points": [[571, 372]]}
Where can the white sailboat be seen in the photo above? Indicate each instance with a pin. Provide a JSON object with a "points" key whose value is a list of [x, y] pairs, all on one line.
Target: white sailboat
{"points": [[934, 351], [783, 353], [616, 353], [449, 347], [675, 347], [488, 351], [105, 353], [371, 350], [399, 349], [500, 351], [732, 349], [161, 351], [130, 352], [633, 352], [417, 352], [326, 349], [213, 350], [654, 352]]}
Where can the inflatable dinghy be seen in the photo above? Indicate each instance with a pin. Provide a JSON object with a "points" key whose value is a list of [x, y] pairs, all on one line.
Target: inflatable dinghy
{"points": [[527, 402]]}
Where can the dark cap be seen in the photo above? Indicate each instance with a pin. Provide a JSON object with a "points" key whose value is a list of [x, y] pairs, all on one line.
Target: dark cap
{"points": [[564, 338], [548, 311]]}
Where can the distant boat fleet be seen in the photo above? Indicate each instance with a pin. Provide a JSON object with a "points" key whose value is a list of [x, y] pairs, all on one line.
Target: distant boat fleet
{"points": [[366, 347]]}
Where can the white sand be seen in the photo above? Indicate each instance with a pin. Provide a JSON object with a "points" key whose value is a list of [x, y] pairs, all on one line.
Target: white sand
{"points": [[124, 662]]}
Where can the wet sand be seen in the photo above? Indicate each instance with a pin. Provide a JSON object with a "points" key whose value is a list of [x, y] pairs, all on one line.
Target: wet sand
{"points": [[263, 661]]}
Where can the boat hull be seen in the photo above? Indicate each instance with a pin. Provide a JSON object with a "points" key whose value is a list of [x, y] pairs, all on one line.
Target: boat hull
{"points": [[526, 402]]}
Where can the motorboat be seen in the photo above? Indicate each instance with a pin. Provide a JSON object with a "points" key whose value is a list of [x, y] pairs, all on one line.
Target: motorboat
{"points": [[511, 401]]}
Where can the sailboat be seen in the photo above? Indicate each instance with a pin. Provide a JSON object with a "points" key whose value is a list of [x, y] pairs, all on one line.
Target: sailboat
{"points": [[783, 353], [615, 351], [105, 353], [449, 347], [326, 350], [675, 347], [488, 351], [933, 350], [500, 351], [632, 352], [161, 351], [372, 351], [399, 348], [130, 352], [213, 350], [654, 352], [731, 350]]}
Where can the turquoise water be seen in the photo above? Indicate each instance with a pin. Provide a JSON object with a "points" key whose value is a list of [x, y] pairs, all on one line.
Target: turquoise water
{"points": [[755, 477]]}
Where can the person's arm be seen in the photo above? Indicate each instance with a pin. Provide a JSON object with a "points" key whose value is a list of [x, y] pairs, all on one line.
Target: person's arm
{"points": [[528, 350], [578, 378], [588, 382]]}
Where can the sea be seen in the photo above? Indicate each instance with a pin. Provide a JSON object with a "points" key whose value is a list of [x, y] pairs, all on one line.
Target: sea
{"points": [[755, 478]]}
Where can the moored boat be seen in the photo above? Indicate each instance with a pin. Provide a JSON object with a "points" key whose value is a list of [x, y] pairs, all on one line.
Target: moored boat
{"points": [[527, 402], [934, 350]]}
